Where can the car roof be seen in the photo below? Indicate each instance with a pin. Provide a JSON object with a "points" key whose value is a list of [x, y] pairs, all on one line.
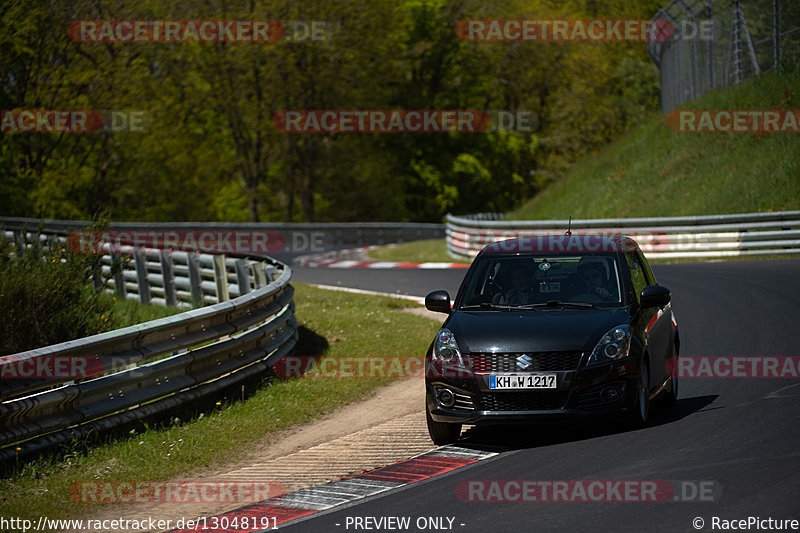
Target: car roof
{"points": [[583, 243]]}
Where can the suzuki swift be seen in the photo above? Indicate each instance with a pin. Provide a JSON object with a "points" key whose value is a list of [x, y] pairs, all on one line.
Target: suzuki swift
{"points": [[551, 327]]}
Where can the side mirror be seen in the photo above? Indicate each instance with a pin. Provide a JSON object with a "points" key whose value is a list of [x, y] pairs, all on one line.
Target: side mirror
{"points": [[438, 301], [654, 296]]}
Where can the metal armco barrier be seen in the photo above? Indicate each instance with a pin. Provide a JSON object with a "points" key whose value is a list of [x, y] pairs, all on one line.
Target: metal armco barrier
{"points": [[294, 236], [147, 369], [715, 236]]}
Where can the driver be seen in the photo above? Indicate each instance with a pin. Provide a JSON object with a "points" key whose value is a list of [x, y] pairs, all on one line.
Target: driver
{"points": [[521, 291], [593, 276]]}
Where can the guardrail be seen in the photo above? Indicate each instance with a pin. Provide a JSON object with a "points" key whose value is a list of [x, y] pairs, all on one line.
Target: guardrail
{"points": [[295, 236], [141, 371], [715, 236]]}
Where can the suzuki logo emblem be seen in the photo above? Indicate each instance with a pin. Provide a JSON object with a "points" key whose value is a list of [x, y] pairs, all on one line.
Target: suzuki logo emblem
{"points": [[524, 361]]}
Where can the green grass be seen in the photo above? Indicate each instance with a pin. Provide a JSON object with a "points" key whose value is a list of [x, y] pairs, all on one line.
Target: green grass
{"points": [[126, 312], [653, 171], [414, 252], [334, 324]]}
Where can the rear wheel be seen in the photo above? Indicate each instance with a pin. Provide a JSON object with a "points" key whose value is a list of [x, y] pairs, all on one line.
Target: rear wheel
{"points": [[442, 432]]}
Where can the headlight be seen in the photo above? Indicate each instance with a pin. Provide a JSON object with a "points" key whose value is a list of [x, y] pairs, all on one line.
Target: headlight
{"points": [[447, 361], [445, 348], [615, 344]]}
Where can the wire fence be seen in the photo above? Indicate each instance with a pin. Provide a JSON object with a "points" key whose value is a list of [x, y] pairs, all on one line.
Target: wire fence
{"points": [[720, 43]]}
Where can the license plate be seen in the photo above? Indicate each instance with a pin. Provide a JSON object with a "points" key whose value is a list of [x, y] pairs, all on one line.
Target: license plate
{"points": [[523, 381]]}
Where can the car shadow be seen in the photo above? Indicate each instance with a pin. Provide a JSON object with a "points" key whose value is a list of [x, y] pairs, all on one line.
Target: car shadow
{"points": [[500, 438]]}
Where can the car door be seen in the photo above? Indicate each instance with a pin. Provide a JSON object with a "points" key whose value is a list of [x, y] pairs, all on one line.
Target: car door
{"points": [[661, 332], [652, 324]]}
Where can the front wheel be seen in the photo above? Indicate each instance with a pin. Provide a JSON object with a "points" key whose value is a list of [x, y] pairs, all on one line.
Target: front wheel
{"points": [[641, 412], [672, 394], [441, 432]]}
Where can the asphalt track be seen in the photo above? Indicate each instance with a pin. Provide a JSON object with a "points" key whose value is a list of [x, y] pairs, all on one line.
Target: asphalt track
{"points": [[741, 434]]}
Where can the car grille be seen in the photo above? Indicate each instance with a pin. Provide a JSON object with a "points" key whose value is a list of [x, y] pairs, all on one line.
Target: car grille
{"points": [[537, 400], [484, 363]]}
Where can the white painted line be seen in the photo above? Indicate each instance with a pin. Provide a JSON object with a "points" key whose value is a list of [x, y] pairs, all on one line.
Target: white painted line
{"points": [[774, 394], [417, 299], [435, 265], [343, 264]]}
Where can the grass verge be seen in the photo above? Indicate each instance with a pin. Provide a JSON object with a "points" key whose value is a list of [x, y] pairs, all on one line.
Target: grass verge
{"points": [[333, 324], [433, 250], [653, 171]]}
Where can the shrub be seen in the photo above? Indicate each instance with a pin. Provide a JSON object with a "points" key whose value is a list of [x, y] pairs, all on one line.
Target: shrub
{"points": [[47, 297]]}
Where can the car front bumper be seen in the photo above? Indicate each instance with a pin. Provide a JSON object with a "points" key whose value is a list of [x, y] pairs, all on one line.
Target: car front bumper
{"points": [[602, 391]]}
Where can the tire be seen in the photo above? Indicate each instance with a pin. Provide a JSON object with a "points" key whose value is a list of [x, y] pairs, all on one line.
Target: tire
{"points": [[671, 395], [442, 433], [641, 412]]}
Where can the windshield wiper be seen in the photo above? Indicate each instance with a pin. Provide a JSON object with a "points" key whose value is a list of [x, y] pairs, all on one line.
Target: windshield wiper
{"points": [[559, 303], [488, 305]]}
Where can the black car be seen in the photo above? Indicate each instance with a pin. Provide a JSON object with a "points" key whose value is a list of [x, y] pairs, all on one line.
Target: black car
{"points": [[551, 327]]}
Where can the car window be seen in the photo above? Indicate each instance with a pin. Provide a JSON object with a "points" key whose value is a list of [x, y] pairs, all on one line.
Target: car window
{"points": [[637, 274], [530, 279], [648, 272]]}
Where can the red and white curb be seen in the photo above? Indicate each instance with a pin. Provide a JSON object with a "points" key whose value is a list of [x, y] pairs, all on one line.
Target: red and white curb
{"points": [[329, 260], [305, 502]]}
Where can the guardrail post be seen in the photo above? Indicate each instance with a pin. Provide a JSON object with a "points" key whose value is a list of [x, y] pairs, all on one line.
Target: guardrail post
{"points": [[141, 275], [169, 278], [19, 239], [259, 274], [119, 275], [195, 279], [97, 277], [243, 275], [776, 33], [51, 241], [221, 278]]}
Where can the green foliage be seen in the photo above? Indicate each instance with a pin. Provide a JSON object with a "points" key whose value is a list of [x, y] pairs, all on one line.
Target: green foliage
{"points": [[46, 297], [212, 152]]}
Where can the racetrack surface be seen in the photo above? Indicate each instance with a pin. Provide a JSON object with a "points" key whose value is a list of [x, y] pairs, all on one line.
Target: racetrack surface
{"points": [[741, 434]]}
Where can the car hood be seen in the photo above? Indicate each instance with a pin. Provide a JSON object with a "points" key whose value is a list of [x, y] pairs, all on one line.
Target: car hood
{"points": [[539, 330]]}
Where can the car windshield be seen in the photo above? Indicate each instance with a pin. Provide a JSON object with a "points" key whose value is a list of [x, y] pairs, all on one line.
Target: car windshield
{"points": [[523, 281]]}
